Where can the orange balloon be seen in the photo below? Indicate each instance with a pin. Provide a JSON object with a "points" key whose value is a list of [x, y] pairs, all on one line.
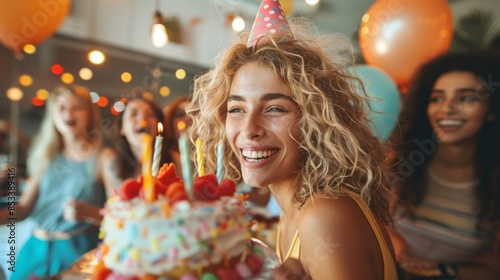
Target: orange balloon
{"points": [[287, 6], [30, 21], [399, 35]]}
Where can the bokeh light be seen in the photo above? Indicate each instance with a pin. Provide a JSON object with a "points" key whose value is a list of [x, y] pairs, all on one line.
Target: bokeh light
{"points": [[238, 24], [96, 57], [126, 77], [25, 80], [14, 94], [119, 106], [57, 69], [180, 74], [42, 94], [85, 74], [113, 111], [94, 96], [164, 91], [312, 2], [148, 96], [67, 78], [29, 49], [37, 101], [181, 125], [103, 101]]}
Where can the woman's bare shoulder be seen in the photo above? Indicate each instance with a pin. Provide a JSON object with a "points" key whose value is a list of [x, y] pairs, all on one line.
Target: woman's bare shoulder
{"points": [[335, 234], [328, 208], [339, 216]]}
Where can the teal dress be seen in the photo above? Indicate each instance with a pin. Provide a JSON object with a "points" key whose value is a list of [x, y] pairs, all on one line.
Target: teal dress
{"points": [[63, 180]]}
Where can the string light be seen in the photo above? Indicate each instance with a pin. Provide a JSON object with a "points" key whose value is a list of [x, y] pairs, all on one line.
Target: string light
{"points": [[96, 57], [238, 24], [159, 36], [14, 94]]}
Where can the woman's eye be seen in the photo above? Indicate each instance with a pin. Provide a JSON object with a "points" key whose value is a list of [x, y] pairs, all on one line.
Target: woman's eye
{"points": [[436, 99], [276, 109], [469, 99], [234, 110]]}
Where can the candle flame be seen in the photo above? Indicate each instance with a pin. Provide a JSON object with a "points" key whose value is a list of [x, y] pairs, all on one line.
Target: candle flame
{"points": [[160, 128]]}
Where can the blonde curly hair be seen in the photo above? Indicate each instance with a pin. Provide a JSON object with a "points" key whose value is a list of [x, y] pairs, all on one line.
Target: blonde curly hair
{"points": [[339, 150]]}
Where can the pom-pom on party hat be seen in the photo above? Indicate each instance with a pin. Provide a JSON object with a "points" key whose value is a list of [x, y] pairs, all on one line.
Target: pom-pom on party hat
{"points": [[270, 21]]}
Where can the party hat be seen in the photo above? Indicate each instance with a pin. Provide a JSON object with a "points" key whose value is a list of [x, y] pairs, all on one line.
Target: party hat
{"points": [[270, 21]]}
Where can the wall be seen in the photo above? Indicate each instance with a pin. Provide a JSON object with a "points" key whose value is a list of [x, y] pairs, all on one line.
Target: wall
{"points": [[127, 24]]}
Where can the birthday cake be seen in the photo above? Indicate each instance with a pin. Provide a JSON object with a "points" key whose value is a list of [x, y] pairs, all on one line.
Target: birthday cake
{"points": [[177, 235]]}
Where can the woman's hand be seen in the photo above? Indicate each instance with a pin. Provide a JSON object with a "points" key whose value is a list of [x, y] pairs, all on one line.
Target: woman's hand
{"points": [[290, 269], [75, 210]]}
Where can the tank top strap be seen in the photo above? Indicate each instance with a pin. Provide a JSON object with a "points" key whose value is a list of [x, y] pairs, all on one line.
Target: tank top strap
{"points": [[293, 251], [389, 265]]}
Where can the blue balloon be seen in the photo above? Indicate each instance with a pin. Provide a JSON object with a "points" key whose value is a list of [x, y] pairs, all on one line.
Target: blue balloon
{"points": [[385, 99]]}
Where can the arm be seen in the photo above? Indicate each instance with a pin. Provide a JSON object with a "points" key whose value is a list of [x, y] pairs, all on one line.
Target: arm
{"points": [[483, 266], [336, 240], [25, 204], [109, 177]]}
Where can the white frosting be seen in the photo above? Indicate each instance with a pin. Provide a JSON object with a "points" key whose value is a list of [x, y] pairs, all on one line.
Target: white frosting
{"points": [[143, 238]]}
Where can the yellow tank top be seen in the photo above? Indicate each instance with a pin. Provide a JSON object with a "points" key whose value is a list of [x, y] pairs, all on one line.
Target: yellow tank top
{"points": [[389, 266]]}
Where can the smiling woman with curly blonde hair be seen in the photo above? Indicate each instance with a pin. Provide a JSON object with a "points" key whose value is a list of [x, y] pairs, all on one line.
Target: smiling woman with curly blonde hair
{"points": [[294, 121]]}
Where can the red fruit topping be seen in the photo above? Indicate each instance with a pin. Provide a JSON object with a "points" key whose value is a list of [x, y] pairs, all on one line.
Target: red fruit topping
{"points": [[254, 262], [176, 197], [205, 189], [160, 188], [228, 274], [227, 187], [174, 188], [167, 174], [207, 178], [129, 189]]}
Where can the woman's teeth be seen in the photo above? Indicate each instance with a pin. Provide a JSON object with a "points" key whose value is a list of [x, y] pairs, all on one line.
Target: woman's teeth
{"points": [[257, 155], [450, 123], [142, 130]]}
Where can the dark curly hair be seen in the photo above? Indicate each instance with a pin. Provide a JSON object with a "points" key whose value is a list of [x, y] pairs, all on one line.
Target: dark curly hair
{"points": [[126, 164], [416, 132]]}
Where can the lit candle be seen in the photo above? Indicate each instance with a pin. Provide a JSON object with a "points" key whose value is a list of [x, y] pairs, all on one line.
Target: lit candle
{"points": [[220, 161], [148, 183], [157, 152], [187, 176], [200, 160]]}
